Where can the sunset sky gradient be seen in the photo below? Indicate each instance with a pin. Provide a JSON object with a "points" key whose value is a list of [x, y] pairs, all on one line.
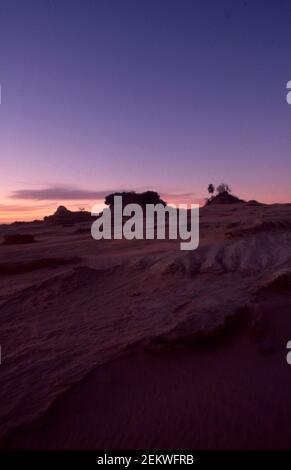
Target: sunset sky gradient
{"points": [[104, 95]]}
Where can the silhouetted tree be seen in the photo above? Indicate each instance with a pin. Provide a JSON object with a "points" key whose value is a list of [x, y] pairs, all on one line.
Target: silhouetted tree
{"points": [[223, 188], [130, 197], [211, 189]]}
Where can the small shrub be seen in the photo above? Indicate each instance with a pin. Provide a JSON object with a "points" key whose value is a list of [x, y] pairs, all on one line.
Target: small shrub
{"points": [[18, 239]]}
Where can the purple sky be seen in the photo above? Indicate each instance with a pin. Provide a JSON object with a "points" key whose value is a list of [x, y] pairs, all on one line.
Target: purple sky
{"points": [[102, 95]]}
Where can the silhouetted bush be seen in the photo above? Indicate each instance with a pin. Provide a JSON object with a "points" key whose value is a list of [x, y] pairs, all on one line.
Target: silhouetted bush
{"points": [[223, 188], [131, 197]]}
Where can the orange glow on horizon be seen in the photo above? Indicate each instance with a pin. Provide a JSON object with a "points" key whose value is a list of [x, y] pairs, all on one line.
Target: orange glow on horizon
{"points": [[30, 212], [27, 211]]}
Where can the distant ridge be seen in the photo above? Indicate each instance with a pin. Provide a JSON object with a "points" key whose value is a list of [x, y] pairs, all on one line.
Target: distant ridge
{"points": [[224, 198], [64, 216]]}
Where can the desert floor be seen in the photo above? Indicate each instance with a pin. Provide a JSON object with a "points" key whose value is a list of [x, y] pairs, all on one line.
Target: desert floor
{"points": [[136, 344]]}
